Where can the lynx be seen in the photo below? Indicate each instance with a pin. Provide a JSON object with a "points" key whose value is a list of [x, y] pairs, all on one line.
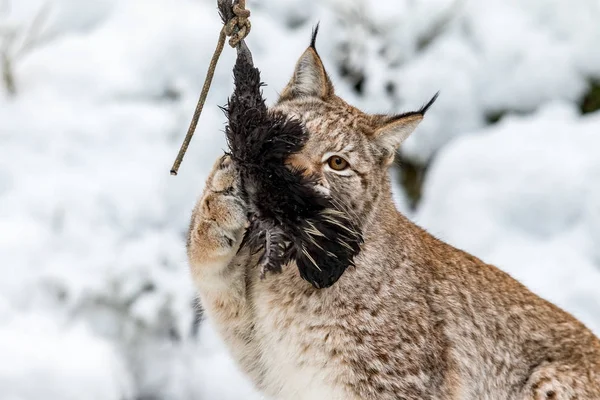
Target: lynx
{"points": [[413, 318]]}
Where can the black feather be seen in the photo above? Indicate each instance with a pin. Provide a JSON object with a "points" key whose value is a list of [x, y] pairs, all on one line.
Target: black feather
{"points": [[290, 219]]}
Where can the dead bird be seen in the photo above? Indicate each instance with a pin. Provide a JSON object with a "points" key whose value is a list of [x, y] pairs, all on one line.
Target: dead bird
{"points": [[290, 219]]}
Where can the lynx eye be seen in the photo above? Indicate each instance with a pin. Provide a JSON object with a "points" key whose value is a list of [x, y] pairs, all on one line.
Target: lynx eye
{"points": [[337, 163]]}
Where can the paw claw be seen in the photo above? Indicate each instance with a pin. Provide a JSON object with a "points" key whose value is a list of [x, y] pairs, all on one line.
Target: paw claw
{"points": [[225, 179], [225, 161]]}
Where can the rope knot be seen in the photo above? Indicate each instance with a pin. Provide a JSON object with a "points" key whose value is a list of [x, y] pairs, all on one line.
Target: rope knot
{"points": [[238, 27]]}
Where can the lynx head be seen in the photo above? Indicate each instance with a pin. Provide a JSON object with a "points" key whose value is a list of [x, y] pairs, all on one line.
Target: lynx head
{"points": [[313, 168], [350, 151]]}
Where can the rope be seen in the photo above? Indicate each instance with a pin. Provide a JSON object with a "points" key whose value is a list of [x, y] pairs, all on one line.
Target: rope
{"points": [[237, 28]]}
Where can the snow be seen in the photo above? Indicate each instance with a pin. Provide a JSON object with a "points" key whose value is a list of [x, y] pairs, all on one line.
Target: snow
{"points": [[486, 57], [65, 363], [95, 299], [524, 195]]}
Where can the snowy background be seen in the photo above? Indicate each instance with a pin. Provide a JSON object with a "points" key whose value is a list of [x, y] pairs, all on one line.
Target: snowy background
{"points": [[96, 95]]}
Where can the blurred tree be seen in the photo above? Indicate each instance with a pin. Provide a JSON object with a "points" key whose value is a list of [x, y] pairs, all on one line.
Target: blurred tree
{"points": [[17, 39]]}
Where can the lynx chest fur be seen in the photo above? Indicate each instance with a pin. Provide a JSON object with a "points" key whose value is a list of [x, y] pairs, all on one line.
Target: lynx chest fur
{"points": [[413, 318]]}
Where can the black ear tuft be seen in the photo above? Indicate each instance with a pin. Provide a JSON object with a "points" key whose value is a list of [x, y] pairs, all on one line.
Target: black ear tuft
{"points": [[420, 112], [424, 109], [313, 39]]}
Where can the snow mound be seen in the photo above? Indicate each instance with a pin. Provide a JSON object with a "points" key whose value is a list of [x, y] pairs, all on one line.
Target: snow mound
{"points": [[40, 360], [486, 58]]}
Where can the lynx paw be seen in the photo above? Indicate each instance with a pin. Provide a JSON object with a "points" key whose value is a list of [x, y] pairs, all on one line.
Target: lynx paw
{"points": [[218, 220], [557, 382]]}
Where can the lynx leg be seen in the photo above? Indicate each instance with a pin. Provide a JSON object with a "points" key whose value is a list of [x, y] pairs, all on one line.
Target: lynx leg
{"points": [[219, 267], [217, 225]]}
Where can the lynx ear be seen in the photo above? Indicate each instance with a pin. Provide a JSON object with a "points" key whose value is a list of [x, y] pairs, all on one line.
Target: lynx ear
{"points": [[391, 131], [310, 78]]}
